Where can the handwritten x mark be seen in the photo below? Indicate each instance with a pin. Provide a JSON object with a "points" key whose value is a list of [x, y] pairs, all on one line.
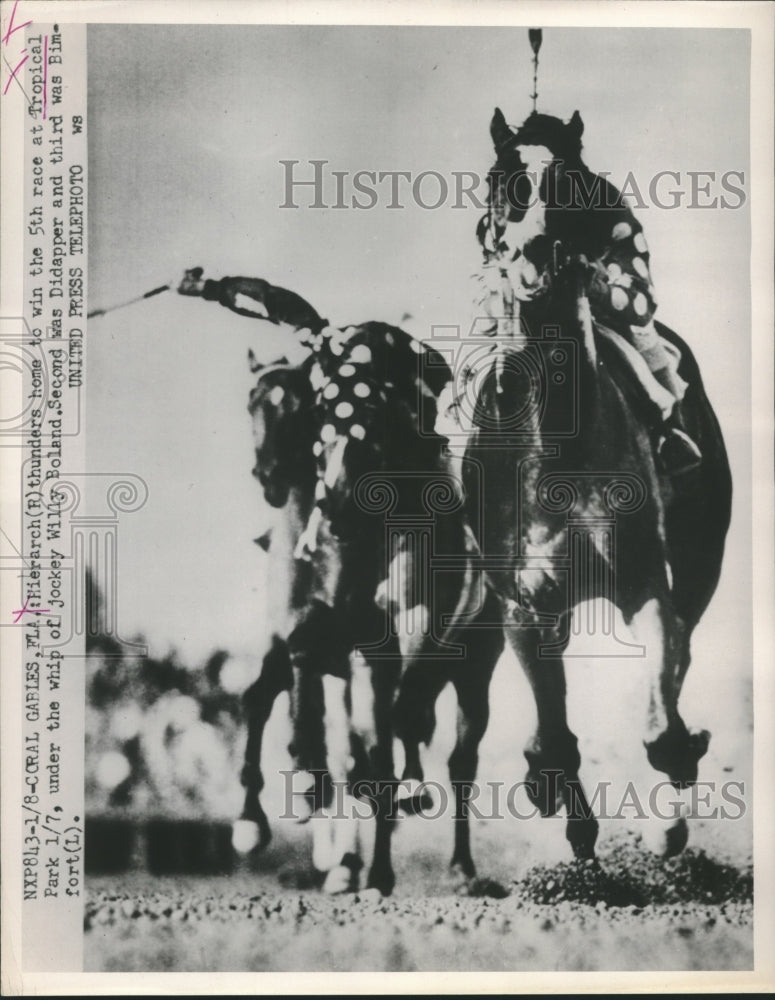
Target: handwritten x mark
{"points": [[27, 610], [5, 39]]}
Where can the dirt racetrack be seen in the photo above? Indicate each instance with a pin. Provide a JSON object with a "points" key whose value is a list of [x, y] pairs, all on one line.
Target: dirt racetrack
{"points": [[632, 911], [700, 919]]}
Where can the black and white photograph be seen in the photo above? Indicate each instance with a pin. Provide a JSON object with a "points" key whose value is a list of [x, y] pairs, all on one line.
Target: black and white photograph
{"points": [[411, 516]]}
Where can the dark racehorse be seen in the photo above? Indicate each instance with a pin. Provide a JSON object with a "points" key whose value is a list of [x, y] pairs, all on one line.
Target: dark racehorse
{"points": [[575, 506], [371, 588]]}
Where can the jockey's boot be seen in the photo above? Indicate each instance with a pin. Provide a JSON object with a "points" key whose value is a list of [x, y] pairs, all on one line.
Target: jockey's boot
{"points": [[676, 451]]}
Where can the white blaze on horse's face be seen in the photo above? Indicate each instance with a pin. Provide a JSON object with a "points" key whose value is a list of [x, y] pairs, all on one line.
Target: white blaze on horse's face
{"points": [[523, 274]]}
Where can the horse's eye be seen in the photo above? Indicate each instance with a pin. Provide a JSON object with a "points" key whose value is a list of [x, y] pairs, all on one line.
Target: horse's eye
{"points": [[519, 193]]}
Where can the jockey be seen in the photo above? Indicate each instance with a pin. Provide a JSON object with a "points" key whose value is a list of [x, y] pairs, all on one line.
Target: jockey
{"points": [[349, 370], [619, 287]]}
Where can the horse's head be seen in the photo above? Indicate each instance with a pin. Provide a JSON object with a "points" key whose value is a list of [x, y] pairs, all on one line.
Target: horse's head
{"points": [[282, 408], [540, 203]]}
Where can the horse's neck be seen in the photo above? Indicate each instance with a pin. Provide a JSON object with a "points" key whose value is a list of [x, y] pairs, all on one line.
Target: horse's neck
{"points": [[572, 321], [583, 323]]}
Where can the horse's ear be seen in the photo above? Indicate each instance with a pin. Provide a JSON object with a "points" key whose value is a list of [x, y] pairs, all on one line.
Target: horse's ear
{"points": [[499, 130], [254, 364], [576, 126]]}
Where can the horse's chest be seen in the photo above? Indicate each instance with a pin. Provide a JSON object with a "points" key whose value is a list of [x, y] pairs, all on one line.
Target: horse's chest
{"points": [[541, 563], [551, 549]]}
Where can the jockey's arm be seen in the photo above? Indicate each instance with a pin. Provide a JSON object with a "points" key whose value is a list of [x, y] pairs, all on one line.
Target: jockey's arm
{"points": [[620, 290], [234, 294], [254, 298], [622, 297]]}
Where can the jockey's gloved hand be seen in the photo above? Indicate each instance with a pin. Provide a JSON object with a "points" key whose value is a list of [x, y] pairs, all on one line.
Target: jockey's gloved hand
{"points": [[579, 274], [224, 291], [192, 282], [596, 283], [569, 269]]}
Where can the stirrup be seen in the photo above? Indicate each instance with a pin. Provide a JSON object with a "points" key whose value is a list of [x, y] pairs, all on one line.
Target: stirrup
{"points": [[677, 452]]}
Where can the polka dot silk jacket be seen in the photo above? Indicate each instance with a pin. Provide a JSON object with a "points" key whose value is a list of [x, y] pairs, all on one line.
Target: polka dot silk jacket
{"points": [[621, 293], [360, 374]]}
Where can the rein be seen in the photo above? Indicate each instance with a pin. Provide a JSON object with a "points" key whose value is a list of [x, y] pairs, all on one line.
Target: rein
{"points": [[510, 307]]}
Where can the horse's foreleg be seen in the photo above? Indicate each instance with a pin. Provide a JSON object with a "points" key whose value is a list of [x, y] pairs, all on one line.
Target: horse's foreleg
{"points": [[471, 679], [670, 746], [315, 649], [683, 655], [384, 678], [552, 753], [336, 841], [308, 742], [251, 830], [415, 723], [472, 716]]}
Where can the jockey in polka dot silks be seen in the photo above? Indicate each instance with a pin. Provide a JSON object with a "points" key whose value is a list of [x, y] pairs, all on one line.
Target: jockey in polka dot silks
{"points": [[351, 370], [605, 233]]}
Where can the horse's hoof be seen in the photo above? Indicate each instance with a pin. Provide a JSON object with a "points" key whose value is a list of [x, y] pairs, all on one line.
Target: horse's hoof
{"points": [[699, 741], [372, 896], [324, 853], [544, 790], [581, 833], [666, 838], [548, 770], [677, 754], [246, 836], [340, 880], [482, 888], [291, 877], [304, 797], [384, 881], [413, 798], [460, 876]]}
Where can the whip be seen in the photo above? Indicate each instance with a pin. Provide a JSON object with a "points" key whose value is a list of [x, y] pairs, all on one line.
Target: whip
{"points": [[536, 37], [129, 302]]}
